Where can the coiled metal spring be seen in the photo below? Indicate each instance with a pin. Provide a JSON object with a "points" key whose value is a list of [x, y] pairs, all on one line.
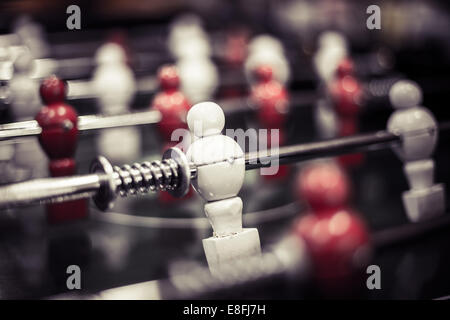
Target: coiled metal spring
{"points": [[146, 176]]}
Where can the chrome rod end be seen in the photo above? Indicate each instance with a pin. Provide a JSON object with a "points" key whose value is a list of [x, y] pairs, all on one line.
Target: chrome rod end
{"points": [[184, 171], [104, 198]]}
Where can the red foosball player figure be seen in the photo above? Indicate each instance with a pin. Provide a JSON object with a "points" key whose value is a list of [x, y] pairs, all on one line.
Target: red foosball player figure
{"points": [[234, 54], [337, 239], [346, 95], [272, 102], [173, 106], [236, 48], [58, 138]]}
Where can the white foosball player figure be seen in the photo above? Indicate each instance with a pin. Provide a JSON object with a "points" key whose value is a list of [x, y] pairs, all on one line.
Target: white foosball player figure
{"points": [[29, 160], [332, 48], [267, 50], [32, 35], [190, 46], [220, 173], [24, 91], [113, 80], [115, 86], [419, 133]]}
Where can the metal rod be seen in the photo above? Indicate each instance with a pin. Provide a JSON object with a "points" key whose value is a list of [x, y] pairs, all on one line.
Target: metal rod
{"points": [[174, 172], [49, 190], [85, 123], [83, 89], [105, 182], [96, 122], [19, 130], [306, 151]]}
